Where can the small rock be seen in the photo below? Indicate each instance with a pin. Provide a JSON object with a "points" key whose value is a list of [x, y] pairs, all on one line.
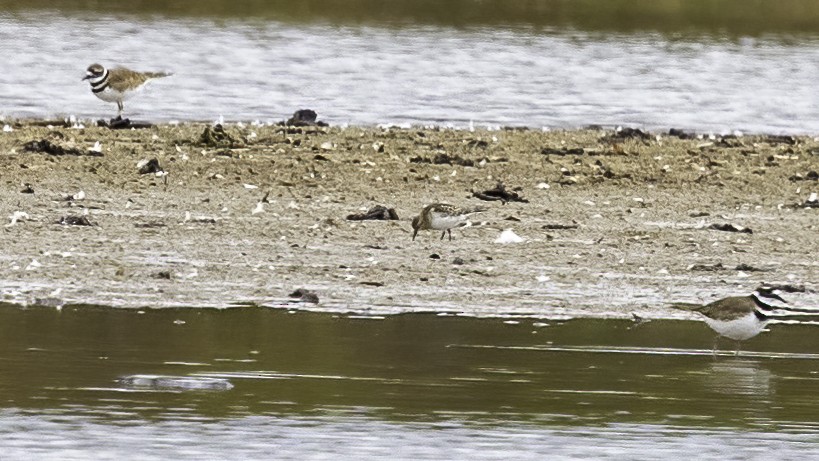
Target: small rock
{"points": [[499, 193], [378, 212], [731, 228], [304, 296], [149, 166], [75, 221]]}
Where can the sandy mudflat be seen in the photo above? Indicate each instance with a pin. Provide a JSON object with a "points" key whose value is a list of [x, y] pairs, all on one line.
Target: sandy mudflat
{"points": [[612, 226]]}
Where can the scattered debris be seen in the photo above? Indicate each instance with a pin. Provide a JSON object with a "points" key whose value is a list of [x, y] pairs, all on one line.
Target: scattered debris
{"points": [[27, 189], [175, 383], [477, 143], [164, 275], [677, 133], [75, 221], [508, 236], [562, 151], [698, 214], [434, 256], [559, 226], [149, 166], [216, 136], [707, 267], [638, 321], [378, 212], [304, 117], [731, 228], [150, 225], [458, 261], [749, 268], [500, 193], [120, 123], [372, 284], [812, 201], [780, 139], [444, 159], [74, 197], [50, 147], [304, 296], [787, 288], [621, 134], [810, 176], [16, 217]]}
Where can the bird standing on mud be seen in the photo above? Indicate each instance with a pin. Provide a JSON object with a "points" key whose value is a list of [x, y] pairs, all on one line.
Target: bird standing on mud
{"points": [[442, 217], [117, 84]]}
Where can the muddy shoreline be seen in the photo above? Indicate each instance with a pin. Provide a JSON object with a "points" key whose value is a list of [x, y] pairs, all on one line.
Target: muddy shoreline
{"points": [[613, 223]]}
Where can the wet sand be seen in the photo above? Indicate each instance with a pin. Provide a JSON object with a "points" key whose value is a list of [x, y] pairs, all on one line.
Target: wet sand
{"points": [[612, 226]]}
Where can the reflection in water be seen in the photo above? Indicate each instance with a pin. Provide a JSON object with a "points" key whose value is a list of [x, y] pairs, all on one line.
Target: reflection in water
{"points": [[739, 377], [248, 374]]}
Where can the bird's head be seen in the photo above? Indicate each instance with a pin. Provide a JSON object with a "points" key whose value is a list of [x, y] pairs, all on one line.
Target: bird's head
{"points": [[94, 72], [416, 224]]}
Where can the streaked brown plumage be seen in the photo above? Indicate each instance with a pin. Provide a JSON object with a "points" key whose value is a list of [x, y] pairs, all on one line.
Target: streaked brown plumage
{"points": [[443, 217]]}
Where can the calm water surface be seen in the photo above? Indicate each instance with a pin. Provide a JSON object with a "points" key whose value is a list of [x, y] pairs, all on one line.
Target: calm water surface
{"points": [[261, 383], [549, 64]]}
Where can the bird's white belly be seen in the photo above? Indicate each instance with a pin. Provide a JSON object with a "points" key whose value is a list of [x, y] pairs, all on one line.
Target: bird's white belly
{"points": [[111, 95], [443, 222], [738, 329]]}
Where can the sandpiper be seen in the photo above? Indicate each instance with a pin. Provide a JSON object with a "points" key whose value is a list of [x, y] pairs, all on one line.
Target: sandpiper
{"points": [[742, 317], [117, 84], [442, 217]]}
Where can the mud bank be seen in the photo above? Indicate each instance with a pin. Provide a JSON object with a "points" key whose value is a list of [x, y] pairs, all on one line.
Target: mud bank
{"points": [[612, 223]]}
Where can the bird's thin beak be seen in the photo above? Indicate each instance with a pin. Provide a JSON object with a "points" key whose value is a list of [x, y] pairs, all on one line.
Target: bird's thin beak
{"points": [[87, 77]]}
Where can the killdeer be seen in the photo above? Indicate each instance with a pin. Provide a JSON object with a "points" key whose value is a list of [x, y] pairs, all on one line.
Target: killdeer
{"points": [[117, 84], [743, 317], [442, 217]]}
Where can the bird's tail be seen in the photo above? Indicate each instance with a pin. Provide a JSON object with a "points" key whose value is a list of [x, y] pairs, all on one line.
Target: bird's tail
{"points": [[158, 74], [685, 306]]}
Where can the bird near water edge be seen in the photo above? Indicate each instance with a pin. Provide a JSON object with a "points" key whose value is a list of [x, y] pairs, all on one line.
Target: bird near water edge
{"points": [[118, 84]]}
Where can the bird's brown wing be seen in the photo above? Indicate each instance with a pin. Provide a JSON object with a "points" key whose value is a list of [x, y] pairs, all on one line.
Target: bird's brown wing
{"points": [[123, 79], [728, 308]]}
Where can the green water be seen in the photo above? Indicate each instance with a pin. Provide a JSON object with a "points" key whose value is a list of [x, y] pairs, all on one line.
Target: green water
{"points": [[410, 366], [732, 17], [317, 386]]}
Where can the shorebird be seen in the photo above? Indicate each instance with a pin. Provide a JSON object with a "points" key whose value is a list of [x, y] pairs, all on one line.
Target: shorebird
{"points": [[442, 217], [743, 317], [117, 84]]}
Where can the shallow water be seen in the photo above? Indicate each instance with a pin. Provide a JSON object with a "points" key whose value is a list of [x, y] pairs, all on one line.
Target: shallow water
{"points": [[316, 386], [407, 68]]}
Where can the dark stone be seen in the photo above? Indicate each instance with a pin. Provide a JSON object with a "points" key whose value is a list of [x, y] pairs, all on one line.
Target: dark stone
{"points": [[304, 117], [151, 167], [563, 151], [304, 296], [216, 136], [47, 146], [378, 212], [628, 133], [677, 133], [27, 189], [75, 221], [500, 193], [731, 228]]}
